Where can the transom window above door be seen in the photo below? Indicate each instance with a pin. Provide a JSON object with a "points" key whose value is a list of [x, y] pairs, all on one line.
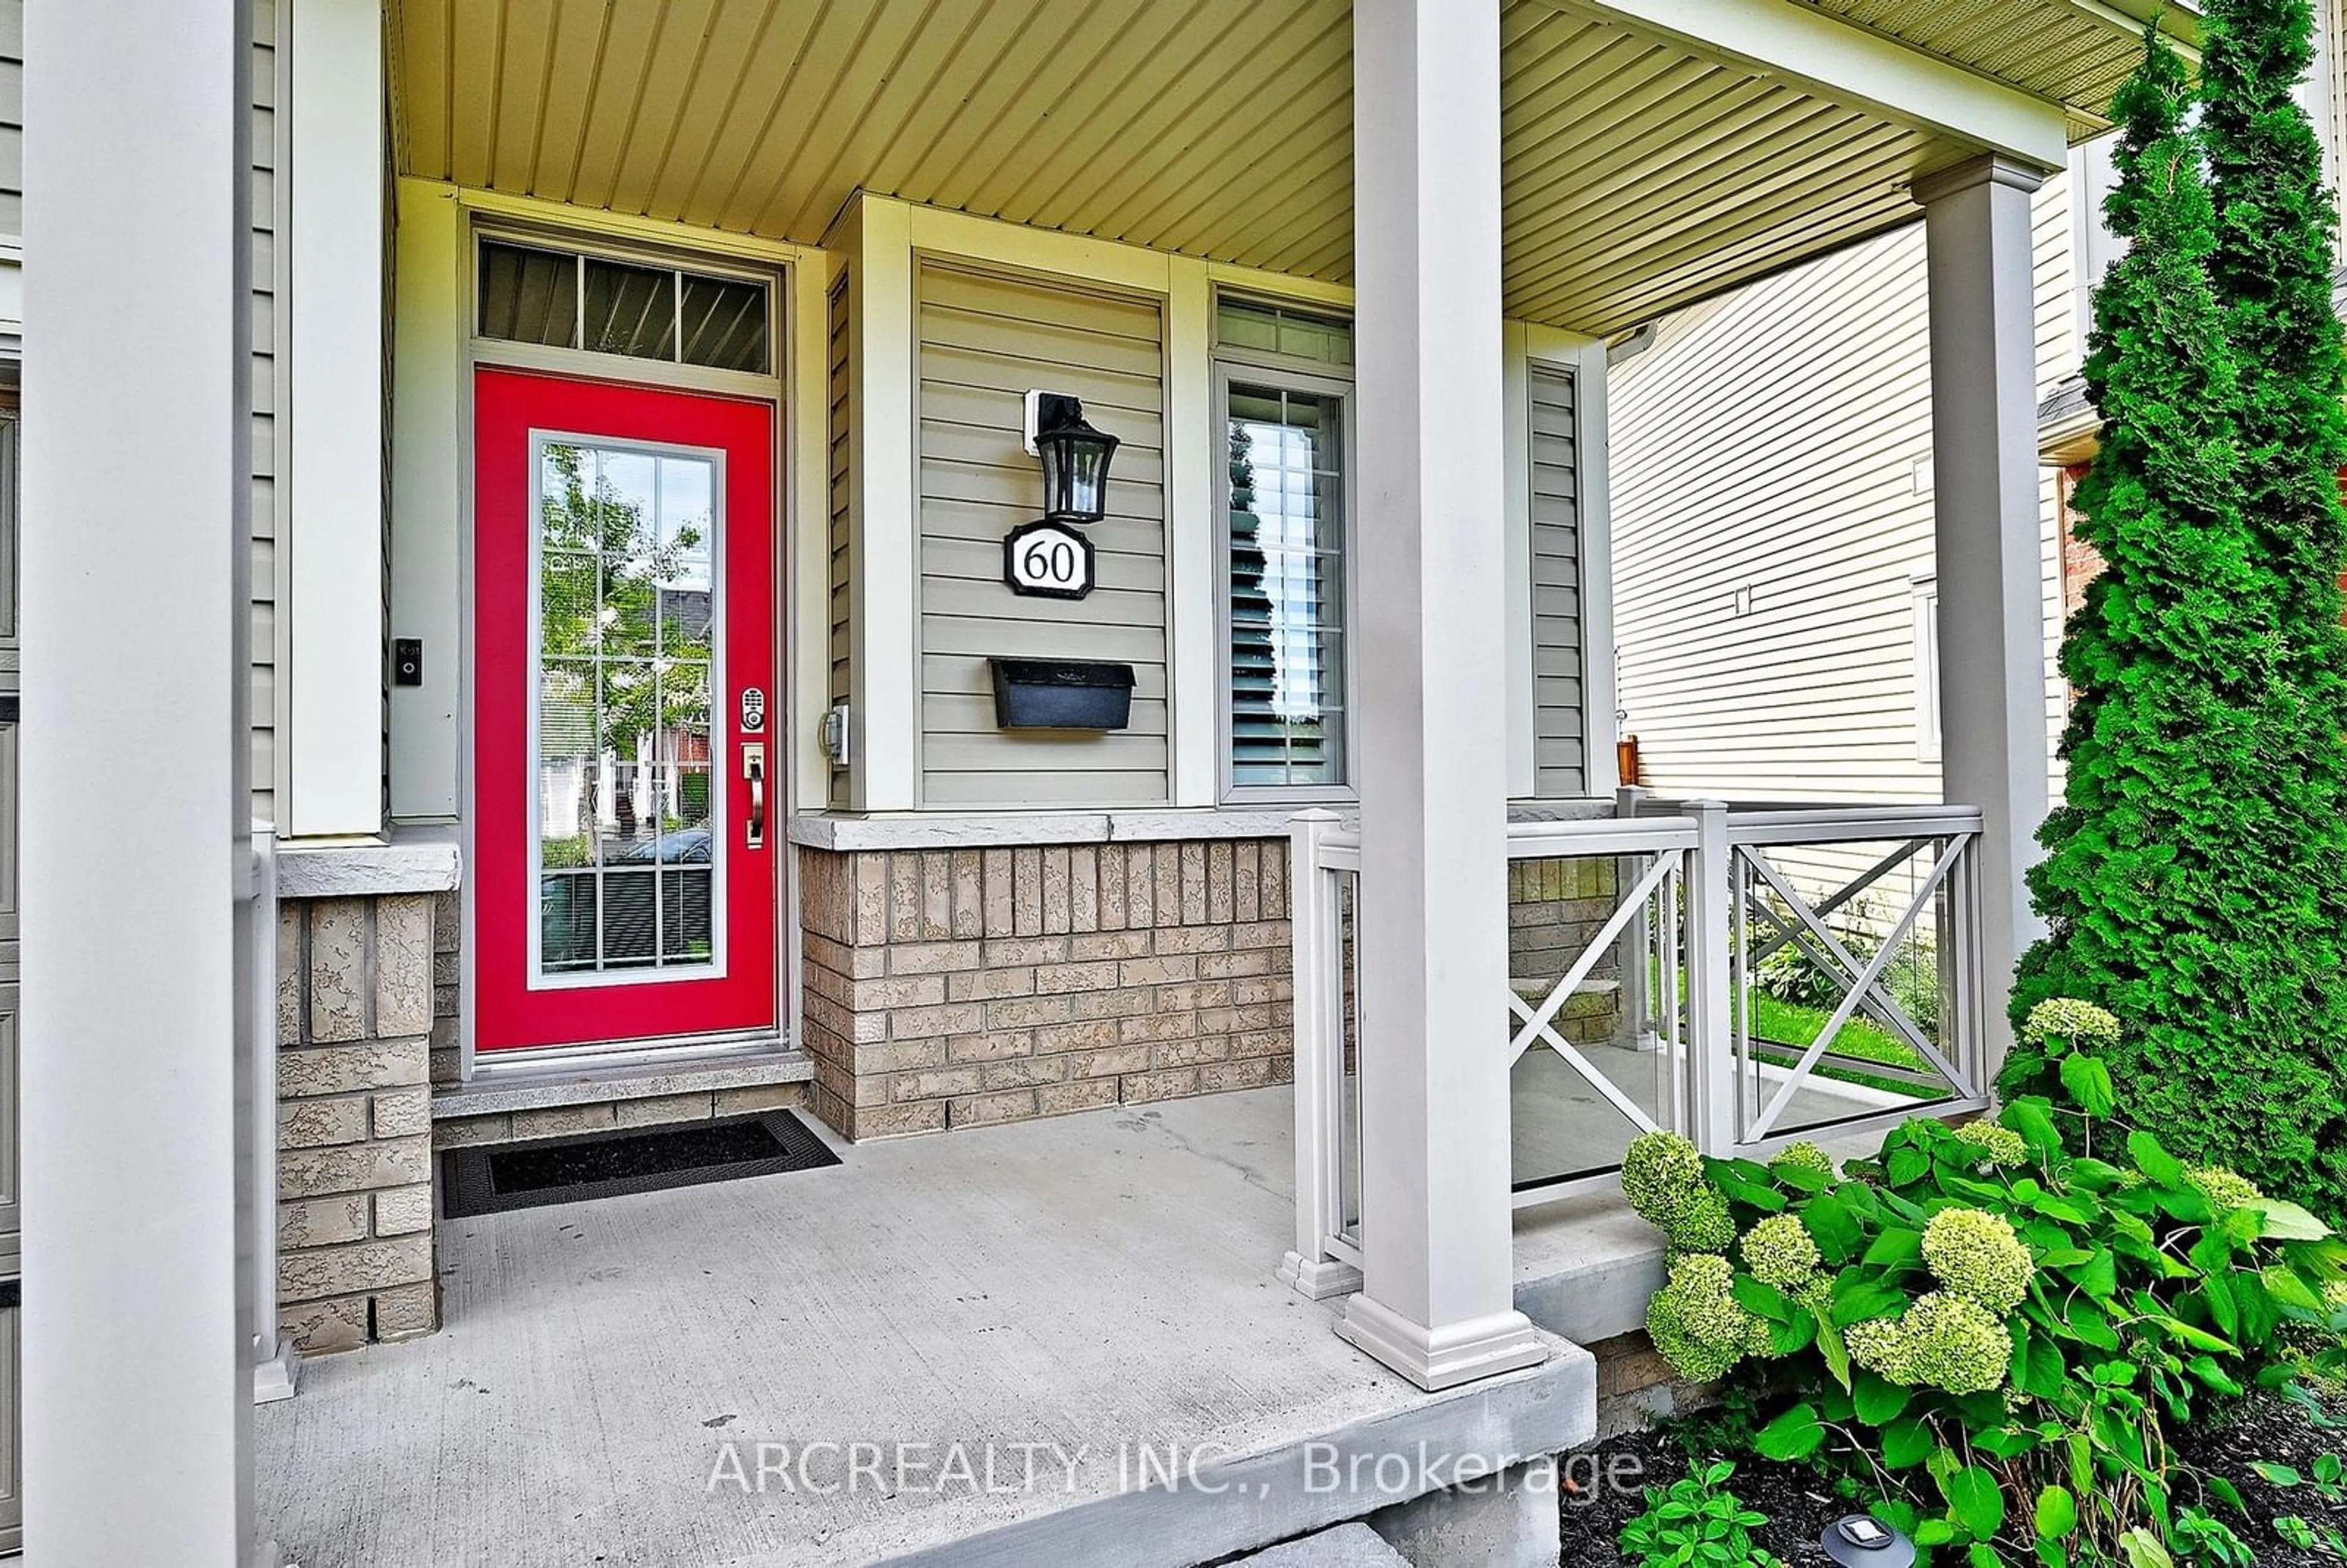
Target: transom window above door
{"points": [[529, 293]]}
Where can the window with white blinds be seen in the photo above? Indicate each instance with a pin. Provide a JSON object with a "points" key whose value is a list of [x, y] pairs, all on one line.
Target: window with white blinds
{"points": [[1284, 404]]}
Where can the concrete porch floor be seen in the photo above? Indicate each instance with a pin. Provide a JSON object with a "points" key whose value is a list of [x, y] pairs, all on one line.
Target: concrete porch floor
{"points": [[1095, 1282]]}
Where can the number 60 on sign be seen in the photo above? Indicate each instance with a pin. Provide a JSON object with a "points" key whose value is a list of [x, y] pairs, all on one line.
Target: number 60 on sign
{"points": [[1048, 558]]}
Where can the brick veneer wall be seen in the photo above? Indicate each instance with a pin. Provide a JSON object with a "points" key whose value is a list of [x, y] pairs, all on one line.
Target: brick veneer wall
{"points": [[1555, 907], [354, 1022], [945, 988], [604, 1115], [1636, 1387]]}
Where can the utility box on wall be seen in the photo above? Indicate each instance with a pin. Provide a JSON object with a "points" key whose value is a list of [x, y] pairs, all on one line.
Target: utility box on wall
{"points": [[1061, 695]]}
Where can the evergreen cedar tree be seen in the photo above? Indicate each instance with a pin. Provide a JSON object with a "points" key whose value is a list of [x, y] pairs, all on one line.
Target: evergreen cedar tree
{"points": [[2195, 878]]}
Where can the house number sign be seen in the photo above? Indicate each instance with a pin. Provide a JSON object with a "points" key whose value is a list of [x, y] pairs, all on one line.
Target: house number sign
{"points": [[1048, 560]]}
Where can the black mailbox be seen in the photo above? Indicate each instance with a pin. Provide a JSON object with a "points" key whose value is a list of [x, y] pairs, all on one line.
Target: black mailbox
{"points": [[1061, 695]]}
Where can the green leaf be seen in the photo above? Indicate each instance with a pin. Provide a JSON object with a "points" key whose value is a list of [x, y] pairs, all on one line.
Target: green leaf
{"points": [[1858, 1299], [2005, 1443], [1800, 1177], [1835, 1229], [2285, 1286], [1761, 1300], [2287, 1220], [1975, 1498], [2198, 1339], [2040, 1371], [1756, 1194], [2033, 1117], [1896, 1249], [2057, 1512], [2276, 1474], [1877, 1399], [2089, 1083], [1905, 1442], [2154, 1161], [2090, 1324], [2143, 1551], [1795, 1435], [2098, 1277], [1793, 1335], [1835, 1354], [2206, 1369]]}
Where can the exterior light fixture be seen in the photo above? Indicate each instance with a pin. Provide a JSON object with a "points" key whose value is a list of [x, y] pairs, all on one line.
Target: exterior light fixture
{"points": [[1862, 1541], [1074, 456]]}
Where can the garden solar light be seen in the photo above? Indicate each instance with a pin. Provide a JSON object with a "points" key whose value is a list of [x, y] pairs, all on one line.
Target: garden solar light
{"points": [[1862, 1542]]}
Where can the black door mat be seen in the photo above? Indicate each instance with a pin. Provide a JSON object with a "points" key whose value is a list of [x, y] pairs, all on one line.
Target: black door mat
{"points": [[491, 1180]]}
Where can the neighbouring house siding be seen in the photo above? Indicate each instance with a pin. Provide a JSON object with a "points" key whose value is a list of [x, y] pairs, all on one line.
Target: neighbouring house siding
{"points": [[2060, 351], [1769, 524], [986, 339], [842, 533], [1773, 519], [1559, 750]]}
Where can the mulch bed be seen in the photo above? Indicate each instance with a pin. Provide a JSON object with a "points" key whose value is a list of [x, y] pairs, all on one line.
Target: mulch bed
{"points": [[1800, 1504]]}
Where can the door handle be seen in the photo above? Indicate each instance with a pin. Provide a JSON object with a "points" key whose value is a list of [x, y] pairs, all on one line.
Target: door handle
{"points": [[754, 769]]}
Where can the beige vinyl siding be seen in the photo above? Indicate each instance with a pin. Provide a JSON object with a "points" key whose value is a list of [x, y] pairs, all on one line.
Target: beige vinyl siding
{"points": [[266, 216], [843, 607], [985, 340], [1560, 754], [12, 119]]}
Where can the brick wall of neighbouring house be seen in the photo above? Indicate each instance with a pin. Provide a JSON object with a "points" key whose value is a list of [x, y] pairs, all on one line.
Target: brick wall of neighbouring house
{"points": [[354, 1022], [946, 987]]}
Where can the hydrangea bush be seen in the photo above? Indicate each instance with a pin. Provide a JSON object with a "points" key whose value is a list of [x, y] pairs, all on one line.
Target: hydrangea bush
{"points": [[1990, 1323]]}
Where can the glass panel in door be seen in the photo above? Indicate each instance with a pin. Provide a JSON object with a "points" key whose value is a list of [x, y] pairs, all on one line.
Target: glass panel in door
{"points": [[627, 655]]}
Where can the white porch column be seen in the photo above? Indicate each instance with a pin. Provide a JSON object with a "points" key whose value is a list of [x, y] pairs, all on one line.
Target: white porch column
{"points": [[1992, 625], [137, 1390], [1437, 1302]]}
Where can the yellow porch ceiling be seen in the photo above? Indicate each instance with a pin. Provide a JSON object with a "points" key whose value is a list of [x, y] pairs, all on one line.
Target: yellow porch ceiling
{"points": [[1636, 177]]}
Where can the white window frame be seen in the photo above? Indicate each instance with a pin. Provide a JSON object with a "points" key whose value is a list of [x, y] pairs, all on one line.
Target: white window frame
{"points": [[1312, 378], [1924, 596], [593, 363]]}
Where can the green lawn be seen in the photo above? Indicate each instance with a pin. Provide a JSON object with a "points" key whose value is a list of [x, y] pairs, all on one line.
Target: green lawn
{"points": [[1787, 1023]]}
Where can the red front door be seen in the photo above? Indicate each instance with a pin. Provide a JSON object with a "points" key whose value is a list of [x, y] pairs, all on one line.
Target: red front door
{"points": [[626, 823]]}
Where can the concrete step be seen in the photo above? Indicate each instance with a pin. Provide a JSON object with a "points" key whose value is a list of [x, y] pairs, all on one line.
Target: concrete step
{"points": [[1346, 1546]]}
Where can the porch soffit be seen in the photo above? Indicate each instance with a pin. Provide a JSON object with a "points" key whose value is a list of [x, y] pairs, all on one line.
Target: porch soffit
{"points": [[2069, 51], [1637, 176]]}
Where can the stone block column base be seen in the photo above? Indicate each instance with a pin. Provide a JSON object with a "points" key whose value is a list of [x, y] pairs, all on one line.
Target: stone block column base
{"points": [[354, 1215]]}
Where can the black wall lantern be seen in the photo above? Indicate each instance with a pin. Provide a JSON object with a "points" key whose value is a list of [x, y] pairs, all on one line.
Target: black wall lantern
{"points": [[1074, 456]]}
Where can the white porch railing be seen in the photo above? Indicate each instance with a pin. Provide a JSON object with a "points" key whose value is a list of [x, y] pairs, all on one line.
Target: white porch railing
{"points": [[1748, 975], [274, 1366]]}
